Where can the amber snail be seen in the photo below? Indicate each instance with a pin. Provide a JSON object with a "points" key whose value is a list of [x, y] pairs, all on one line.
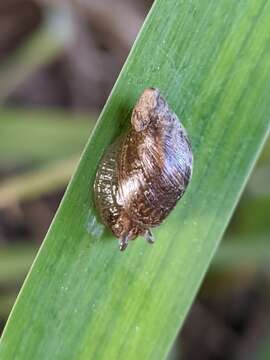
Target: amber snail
{"points": [[145, 172]]}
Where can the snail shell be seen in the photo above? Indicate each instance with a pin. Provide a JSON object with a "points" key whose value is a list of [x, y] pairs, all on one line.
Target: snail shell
{"points": [[145, 172]]}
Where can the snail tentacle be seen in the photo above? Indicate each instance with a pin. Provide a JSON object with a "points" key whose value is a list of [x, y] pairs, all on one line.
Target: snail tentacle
{"points": [[149, 237], [123, 242]]}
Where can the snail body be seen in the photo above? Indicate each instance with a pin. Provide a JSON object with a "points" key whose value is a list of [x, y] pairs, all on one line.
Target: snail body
{"points": [[145, 172]]}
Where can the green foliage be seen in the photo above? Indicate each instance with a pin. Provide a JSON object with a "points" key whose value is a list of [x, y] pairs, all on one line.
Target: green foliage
{"points": [[15, 262], [39, 136], [35, 52], [83, 298], [34, 183]]}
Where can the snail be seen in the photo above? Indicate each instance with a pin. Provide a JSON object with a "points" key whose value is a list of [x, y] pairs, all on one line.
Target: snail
{"points": [[145, 172]]}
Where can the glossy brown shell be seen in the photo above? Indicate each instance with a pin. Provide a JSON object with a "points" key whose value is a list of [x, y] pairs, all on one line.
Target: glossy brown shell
{"points": [[145, 172]]}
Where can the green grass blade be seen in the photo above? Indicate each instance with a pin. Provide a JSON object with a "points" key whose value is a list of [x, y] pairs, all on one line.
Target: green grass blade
{"points": [[15, 261], [38, 136], [43, 46], [83, 298], [263, 352], [239, 253], [6, 302], [35, 52], [252, 216], [234, 254], [33, 184]]}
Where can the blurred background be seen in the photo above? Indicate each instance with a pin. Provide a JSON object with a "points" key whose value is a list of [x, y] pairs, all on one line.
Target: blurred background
{"points": [[58, 63]]}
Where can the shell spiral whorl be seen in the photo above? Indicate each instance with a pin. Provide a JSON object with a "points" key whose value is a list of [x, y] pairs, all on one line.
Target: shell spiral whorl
{"points": [[145, 172]]}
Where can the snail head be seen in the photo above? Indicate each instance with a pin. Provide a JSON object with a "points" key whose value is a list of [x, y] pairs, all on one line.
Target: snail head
{"points": [[126, 230], [143, 111]]}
